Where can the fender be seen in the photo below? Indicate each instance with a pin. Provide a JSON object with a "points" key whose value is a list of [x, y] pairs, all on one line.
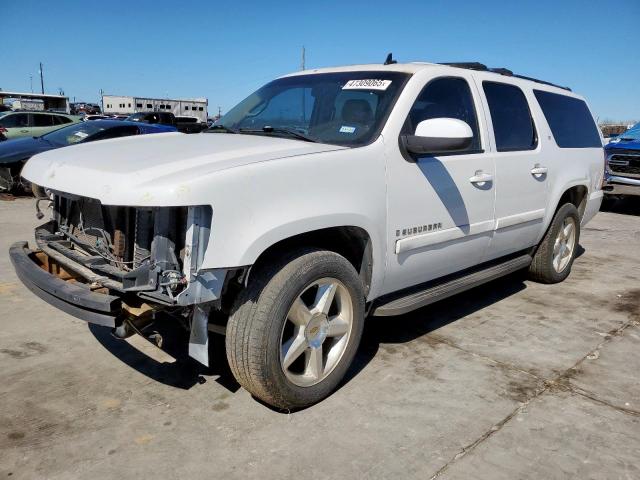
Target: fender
{"points": [[556, 195]]}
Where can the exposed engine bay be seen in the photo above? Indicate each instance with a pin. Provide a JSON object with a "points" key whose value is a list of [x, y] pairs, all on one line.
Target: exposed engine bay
{"points": [[149, 259]]}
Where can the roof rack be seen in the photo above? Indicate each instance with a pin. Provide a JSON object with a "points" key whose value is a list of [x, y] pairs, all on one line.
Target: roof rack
{"points": [[467, 65], [500, 71]]}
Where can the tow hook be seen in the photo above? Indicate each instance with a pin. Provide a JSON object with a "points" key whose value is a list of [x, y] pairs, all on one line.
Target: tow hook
{"points": [[128, 328], [137, 320]]}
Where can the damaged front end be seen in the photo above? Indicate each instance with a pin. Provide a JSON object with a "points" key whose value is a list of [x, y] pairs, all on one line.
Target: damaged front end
{"points": [[120, 266]]}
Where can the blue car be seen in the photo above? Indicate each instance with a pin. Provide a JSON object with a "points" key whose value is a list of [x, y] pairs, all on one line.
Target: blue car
{"points": [[622, 175], [14, 153]]}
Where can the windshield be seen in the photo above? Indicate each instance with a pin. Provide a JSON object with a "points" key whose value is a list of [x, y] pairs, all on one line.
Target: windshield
{"points": [[75, 133], [345, 108], [632, 134]]}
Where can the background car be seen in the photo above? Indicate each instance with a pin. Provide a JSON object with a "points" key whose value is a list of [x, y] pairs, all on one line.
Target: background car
{"points": [[14, 153], [622, 175], [94, 117], [190, 125], [183, 124], [88, 108], [30, 124], [163, 118]]}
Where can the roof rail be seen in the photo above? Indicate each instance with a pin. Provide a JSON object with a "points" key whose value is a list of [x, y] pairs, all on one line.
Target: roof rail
{"points": [[500, 71], [468, 65]]}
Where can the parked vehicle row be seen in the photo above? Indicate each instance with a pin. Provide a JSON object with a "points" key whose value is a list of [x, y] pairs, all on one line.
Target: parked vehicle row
{"points": [[322, 197], [184, 124], [15, 153], [31, 128], [85, 108], [26, 124]]}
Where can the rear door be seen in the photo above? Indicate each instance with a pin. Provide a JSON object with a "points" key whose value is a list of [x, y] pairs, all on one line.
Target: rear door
{"points": [[521, 176]]}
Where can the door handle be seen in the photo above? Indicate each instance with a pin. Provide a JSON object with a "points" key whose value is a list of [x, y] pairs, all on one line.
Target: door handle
{"points": [[481, 177], [24, 131], [538, 170]]}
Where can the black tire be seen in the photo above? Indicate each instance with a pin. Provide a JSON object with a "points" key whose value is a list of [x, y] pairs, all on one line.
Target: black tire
{"points": [[253, 340], [542, 269]]}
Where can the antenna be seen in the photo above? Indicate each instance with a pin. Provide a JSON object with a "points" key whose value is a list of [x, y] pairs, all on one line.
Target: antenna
{"points": [[390, 60]]}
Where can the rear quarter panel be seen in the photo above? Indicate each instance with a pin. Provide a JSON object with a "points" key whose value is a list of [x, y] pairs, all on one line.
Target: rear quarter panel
{"points": [[568, 167]]}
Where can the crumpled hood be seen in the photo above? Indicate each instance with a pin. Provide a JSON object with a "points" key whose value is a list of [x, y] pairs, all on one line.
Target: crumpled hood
{"points": [[152, 168]]}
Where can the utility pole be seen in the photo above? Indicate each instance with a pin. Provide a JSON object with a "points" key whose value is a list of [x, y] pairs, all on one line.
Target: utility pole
{"points": [[304, 106], [219, 112], [102, 100], [41, 78], [31, 82]]}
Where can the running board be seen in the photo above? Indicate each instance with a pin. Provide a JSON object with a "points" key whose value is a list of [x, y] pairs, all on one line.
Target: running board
{"points": [[441, 291]]}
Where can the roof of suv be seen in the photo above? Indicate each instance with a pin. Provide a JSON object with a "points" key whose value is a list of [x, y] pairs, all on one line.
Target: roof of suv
{"points": [[415, 67]]}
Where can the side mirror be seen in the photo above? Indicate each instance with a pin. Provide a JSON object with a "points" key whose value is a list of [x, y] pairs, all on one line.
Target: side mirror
{"points": [[438, 135]]}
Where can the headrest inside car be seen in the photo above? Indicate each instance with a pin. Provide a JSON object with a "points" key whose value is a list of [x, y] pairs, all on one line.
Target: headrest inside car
{"points": [[357, 111]]}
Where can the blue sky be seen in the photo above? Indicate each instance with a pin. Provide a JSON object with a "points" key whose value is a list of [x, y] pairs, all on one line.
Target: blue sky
{"points": [[224, 50]]}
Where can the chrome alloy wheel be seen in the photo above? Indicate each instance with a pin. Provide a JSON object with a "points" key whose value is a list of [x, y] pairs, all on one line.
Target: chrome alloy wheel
{"points": [[564, 245], [316, 332]]}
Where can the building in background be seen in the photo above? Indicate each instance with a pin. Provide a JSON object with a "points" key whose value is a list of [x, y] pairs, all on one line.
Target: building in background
{"points": [[194, 107], [35, 101]]}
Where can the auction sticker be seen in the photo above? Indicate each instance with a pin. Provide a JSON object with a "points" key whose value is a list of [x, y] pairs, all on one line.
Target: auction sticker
{"points": [[367, 84]]}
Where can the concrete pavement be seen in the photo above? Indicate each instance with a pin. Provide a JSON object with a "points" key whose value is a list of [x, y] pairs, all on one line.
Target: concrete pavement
{"points": [[511, 380]]}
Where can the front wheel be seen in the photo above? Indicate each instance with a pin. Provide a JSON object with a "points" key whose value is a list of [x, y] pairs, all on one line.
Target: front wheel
{"points": [[553, 260], [296, 327]]}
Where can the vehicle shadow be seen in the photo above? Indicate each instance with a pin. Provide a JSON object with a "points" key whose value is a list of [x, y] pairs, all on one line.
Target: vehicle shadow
{"points": [[421, 322], [623, 205], [185, 372]]}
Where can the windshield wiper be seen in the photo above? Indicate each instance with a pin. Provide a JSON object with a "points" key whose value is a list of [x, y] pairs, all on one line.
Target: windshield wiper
{"points": [[281, 130], [220, 128]]}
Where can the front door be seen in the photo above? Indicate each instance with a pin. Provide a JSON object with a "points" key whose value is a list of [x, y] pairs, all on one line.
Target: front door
{"points": [[440, 208]]}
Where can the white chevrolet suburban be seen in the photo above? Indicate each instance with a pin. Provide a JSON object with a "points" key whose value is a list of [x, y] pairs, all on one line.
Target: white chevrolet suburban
{"points": [[324, 197]]}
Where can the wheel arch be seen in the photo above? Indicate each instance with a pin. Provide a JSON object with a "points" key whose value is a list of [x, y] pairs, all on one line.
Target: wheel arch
{"points": [[577, 195], [352, 242]]}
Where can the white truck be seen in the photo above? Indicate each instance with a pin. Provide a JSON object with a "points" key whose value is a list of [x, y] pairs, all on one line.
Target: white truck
{"points": [[324, 197]]}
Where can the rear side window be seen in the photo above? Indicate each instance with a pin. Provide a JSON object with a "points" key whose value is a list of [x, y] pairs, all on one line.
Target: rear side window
{"points": [[14, 121], [42, 120], [116, 132], [569, 119], [59, 120], [512, 122]]}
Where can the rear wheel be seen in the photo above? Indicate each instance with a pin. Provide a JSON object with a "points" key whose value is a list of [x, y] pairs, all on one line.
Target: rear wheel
{"points": [[555, 255], [296, 327]]}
